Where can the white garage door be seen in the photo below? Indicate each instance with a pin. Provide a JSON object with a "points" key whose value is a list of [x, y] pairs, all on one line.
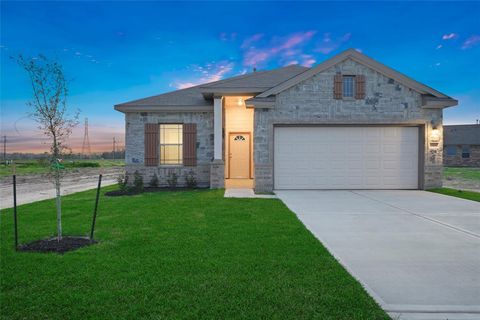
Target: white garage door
{"points": [[346, 158]]}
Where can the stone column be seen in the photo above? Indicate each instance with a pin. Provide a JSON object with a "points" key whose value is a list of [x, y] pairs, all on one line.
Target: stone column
{"points": [[217, 167]]}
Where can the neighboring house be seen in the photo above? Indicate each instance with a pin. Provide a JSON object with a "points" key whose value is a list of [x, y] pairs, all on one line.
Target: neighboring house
{"points": [[347, 123], [461, 145]]}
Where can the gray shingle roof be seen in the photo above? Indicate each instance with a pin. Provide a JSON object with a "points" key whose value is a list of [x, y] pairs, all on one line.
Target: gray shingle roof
{"points": [[183, 97], [251, 82], [461, 134], [261, 80]]}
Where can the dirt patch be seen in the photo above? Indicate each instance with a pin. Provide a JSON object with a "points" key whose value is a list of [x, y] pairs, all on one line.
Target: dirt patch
{"points": [[461, 183], [31, 188], [53, 245]]}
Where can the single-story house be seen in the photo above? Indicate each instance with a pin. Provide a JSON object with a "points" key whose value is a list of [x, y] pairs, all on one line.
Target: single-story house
{"points": [[349, 122], [461, 145]]}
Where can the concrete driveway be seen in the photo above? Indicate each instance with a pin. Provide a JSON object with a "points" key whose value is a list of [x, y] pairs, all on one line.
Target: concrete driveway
{"points": [[417, 253]]}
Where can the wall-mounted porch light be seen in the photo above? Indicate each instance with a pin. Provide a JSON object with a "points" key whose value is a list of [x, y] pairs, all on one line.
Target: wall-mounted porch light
{"points": [[240, 102], [435, 134]]}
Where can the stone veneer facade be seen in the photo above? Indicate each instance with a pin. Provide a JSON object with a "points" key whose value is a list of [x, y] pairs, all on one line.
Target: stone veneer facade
{"points": [[311, 102], [134, 146]]}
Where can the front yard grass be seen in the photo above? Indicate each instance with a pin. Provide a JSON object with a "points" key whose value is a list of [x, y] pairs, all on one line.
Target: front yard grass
{"points": [[166, 255], [25, 167], [462, 173], [464, 194]]}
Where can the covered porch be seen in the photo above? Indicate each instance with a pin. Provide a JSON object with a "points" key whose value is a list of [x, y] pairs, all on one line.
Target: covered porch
{"points": [[233, 164]]}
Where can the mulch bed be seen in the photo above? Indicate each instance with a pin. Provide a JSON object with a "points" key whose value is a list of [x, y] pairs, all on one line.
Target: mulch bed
{"points": [[53, 245], [117, 193]]}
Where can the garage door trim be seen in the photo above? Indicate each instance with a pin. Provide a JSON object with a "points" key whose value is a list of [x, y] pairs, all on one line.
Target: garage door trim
{"points": [[422, 140]]}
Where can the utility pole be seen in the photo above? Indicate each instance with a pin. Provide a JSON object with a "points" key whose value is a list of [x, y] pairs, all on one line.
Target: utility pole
{"points": [[113, 149], [5, 150], [86, 141]]}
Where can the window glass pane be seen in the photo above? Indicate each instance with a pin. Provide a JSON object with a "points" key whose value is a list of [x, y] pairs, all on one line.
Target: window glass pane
{"points": [[171, 140], [171, 133], [348, 86], [451, 150], [465, 151]]}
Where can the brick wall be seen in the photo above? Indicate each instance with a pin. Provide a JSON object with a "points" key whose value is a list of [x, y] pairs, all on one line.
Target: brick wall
{"points": [[311, 101], [457, 160], [134, 145]]}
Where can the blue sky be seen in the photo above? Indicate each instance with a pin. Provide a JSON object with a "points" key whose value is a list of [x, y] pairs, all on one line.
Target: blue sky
{"points": [[119, 51]]}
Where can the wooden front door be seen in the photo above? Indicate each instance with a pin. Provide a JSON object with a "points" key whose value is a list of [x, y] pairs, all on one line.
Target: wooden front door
{"points": [[239, 155]]}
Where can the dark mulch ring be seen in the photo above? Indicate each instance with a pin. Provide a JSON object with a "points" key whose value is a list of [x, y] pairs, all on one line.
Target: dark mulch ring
{"points": [[132, 192], [53, 245]]}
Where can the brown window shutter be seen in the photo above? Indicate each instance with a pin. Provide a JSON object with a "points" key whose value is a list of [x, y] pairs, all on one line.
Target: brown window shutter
{"points": [[189, 144], [151, 144], [360, 87], [337, 86]]}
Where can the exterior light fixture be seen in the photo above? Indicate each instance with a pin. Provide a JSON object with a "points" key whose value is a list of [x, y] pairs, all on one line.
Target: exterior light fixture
{"points": [[240, 102], [435, 135]]}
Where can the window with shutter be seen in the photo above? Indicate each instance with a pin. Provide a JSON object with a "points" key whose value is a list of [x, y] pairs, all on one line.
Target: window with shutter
{"points": [[360, 87], [151, 144], [171, 144], [190, 144], [337, 86], [348, 86]]}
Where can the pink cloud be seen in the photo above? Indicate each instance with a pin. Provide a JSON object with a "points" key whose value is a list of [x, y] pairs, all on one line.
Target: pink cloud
{"points": [[291, 63], [328, 45], [308, 60], [449, 36], [251, 40], [471, 41], [282, 48], [209, 73]]}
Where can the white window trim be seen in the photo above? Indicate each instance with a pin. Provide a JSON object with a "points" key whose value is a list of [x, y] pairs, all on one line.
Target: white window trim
{"points": [[160, 144], [350, 76]]}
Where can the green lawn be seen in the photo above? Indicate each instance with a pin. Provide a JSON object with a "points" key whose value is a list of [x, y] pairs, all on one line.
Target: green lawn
{"points": [[176, 255], [470, 195], [24, 167], [462, 173]]}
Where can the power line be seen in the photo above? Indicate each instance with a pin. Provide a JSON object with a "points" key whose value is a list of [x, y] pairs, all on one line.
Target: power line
{"points": [[5, 150]]}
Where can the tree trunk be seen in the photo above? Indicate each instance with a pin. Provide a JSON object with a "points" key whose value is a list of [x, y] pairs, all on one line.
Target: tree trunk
{"points": [[56, 155], [58, 204]]}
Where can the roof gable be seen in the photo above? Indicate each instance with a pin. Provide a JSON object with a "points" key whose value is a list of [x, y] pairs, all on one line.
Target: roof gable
{"points": [[364, 60]]}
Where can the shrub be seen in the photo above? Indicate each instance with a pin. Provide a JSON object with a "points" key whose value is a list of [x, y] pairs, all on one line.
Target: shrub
{"points": [[190, 179], [137, 181], [122, 181], [85, 164], [172, 180], [154, 181]]}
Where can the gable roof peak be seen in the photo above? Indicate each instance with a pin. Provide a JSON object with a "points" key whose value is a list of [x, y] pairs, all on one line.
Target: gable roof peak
{"points": [[363, 59]]}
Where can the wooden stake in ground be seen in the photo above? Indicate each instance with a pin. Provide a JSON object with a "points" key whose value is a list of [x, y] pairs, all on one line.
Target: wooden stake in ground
{"points": [[15, 205], [96, 206]]}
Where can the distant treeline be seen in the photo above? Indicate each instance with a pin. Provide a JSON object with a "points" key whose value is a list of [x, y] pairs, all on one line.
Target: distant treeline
{"points": [[120, 155]]}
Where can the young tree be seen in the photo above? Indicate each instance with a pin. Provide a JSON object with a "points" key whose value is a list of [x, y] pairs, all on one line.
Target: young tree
{"points": [[49, 109]]}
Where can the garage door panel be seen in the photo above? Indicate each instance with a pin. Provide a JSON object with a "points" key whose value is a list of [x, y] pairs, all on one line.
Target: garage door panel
{"points": [[346, 158]]}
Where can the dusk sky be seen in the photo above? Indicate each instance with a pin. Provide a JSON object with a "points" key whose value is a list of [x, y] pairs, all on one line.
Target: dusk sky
{"points": [[113, 52]]}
